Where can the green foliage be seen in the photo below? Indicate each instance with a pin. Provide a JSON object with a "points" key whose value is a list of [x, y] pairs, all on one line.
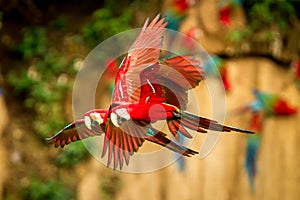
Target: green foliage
{"points": [[72, 154], [238, 35], [264, 14], [34, 43], [46, 72], [60, 23], [104, 24], [267, 21], [44, 84], [20, 81], [50, 190]]}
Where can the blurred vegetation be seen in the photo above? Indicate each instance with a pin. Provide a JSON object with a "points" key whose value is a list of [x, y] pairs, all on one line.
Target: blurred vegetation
{"points": [[72, 155], [47, 76], [110, 184], [96, 30], [272, 29], [268, 13], [45, 82], [50, 190], [46, 56]]}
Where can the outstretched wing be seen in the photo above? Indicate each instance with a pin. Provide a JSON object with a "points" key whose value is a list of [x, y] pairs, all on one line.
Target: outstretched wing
{"points": [[177, 75], [169, 82], [73, 132], [121, 142], [185, 71], [144, 51]]}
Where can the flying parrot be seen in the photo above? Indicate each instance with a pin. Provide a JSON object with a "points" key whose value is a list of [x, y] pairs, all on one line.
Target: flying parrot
{"points": [[211, 70], [110, 72], [226, 7], [189, 42], [224, 14], [265, 104], [176, 14], [141, 98], [272, 104], [89, 126]]}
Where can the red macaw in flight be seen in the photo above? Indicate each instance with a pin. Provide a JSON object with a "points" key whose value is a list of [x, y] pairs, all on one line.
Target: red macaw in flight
{"points": [[216, 67], [127, 123]]}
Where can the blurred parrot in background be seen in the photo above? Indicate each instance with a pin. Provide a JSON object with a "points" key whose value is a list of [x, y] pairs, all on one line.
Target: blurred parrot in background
{"points": [[224, 14], [176, 14], [265, 104], [112, 67], [225, 10], [190, 42], [217, 67], [141, 97], [272, 104]]}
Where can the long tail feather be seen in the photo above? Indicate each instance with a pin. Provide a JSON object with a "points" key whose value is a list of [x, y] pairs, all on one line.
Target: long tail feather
{"points": [[209, 124]]}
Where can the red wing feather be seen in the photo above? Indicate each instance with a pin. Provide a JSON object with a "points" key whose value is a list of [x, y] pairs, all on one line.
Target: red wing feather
{"points": [[144, 51], [174, 94], [146, 48], [183, 67], [121, 142]]}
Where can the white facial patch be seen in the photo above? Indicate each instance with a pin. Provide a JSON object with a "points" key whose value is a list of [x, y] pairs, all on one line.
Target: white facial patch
{"points": [[114, 119], [119, 114], [97, 117], [87, 122], [122, 112]]}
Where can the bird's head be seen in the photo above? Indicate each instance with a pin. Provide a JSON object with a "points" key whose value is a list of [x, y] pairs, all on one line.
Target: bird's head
{"points": [[95, 118], [119, 115]]}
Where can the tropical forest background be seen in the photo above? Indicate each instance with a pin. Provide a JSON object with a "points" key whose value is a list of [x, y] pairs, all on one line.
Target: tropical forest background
{"points": [[256, 47]]}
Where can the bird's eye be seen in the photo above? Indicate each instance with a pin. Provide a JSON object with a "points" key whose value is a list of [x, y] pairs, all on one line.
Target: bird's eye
{"points": [[95, 123]]}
